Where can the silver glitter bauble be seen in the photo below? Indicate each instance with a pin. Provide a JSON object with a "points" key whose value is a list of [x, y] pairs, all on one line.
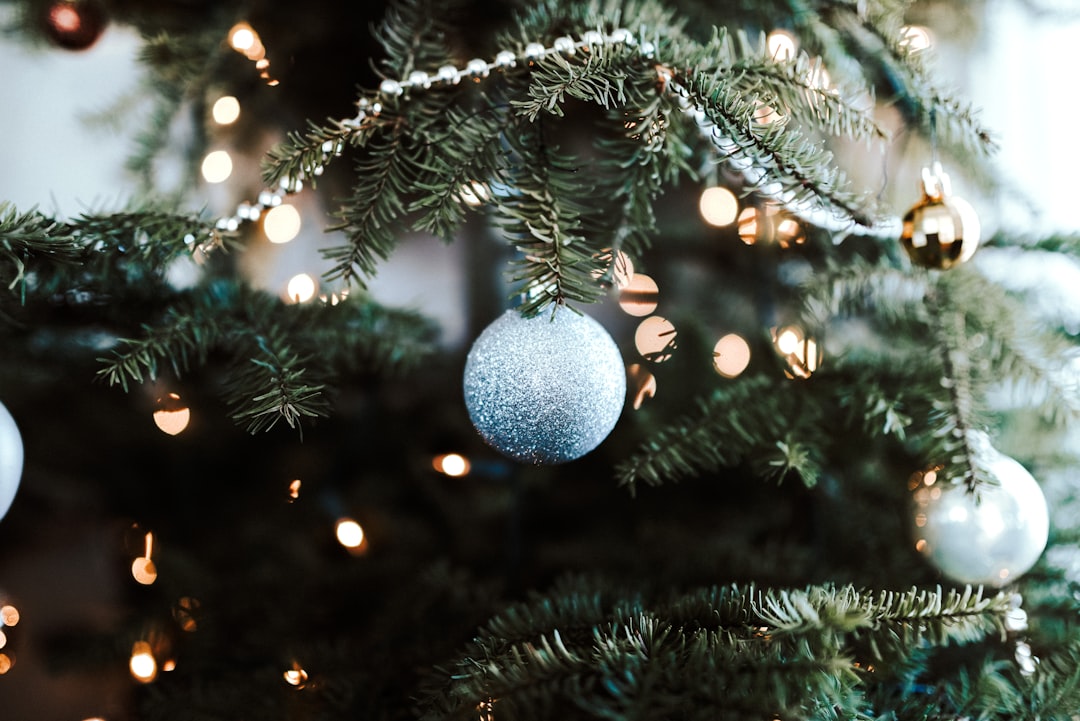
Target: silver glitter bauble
{"points": [[990, 537], [11, 459], [543, 389]]}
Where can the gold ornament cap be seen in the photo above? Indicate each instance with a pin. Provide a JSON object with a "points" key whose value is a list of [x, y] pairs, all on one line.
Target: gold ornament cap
{"points": [[941, 230]]}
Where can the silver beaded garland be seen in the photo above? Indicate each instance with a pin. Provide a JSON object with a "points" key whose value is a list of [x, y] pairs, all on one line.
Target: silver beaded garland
{"points": [[11, 459], [544, 389]]}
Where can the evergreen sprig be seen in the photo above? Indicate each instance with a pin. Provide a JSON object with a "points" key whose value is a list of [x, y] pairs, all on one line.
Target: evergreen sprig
{"points": [[715, 652], [33, 235], [749, 420], [281, 354]]}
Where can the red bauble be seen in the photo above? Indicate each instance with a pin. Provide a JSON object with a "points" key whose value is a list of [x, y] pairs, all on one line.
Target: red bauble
{"points": [[73, 24]]}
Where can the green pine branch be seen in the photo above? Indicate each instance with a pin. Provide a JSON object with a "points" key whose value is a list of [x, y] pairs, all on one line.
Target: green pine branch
{"points": [[544, 218], [720, 652], [751, 419], [31, 235], [281, 356]]}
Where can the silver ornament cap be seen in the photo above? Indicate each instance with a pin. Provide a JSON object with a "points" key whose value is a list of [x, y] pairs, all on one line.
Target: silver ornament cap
{"points": [[990, 537], [11, 459], [546, 389]]}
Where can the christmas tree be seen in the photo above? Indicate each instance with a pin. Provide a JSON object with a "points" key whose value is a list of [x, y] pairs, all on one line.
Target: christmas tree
{"points": [[729, 403]]}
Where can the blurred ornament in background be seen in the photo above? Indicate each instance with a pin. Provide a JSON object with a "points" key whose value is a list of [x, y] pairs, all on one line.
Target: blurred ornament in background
{"points": [[941, 230], [546, 389], [11, 459], [990, 536], [73, 24]]}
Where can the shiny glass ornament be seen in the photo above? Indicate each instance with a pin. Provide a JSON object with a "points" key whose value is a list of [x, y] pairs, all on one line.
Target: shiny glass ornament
{"points": [[941, 230], [11, 459], [989, 537], [544, 389]]}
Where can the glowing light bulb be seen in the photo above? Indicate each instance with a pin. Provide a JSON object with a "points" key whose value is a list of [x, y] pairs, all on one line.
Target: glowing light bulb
{"points": [[226, 110], [640, 296], [655, 339], [294, 490], [349, 533], [718, 206], [3, 639], [172, 417], [242, 37], [301, 288], [143, 665], [731, 355], [142, 568], [915, 38], [296, 676], [781, 45], [281, 223], [9, 616], [217, 166], [6, 662], [451, 464], [788, 341]]}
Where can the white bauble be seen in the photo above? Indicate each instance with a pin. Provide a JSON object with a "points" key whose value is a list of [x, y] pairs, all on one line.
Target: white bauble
{"points": [[990, 537], [11, 459], [544, 389]]}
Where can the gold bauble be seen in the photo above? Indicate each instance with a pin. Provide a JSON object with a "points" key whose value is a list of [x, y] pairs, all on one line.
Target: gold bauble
{"points": [[941, 230]]}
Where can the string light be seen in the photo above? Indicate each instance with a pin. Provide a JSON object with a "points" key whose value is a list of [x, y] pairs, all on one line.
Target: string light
{"points": [[718, 206], [801, 353], [915, 38], [640, 296], [296, 676], [731, 355], [294, 489], [281, 223], [3, 639], [217, 166], [301, 288], [781, 44], [226, 110], [9, 616], [349, 533], [143, 665], [142, 568], [454, 465], [655, 339], [6, 662], [172, 416], [184, 614], [643, 383]]}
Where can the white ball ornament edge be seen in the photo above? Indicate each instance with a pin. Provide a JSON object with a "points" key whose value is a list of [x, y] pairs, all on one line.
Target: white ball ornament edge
{"points": [[11, 459], [547, 389], [991, 538]]}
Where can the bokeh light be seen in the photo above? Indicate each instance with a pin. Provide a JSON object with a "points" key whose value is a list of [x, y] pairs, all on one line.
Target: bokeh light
{"points": [[217, 166], [296, 676], [454, 465], [349, 533], [242, 37], [9, 615], [718, 206], [655, 339], [294, 489], [301, 288], [801, 353], [781, 44], [731, 355], [6, 662], [641, 383], [916, 38], [172, 416], [143, 666], [281, 223], [640, 296], [226, 110]]}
